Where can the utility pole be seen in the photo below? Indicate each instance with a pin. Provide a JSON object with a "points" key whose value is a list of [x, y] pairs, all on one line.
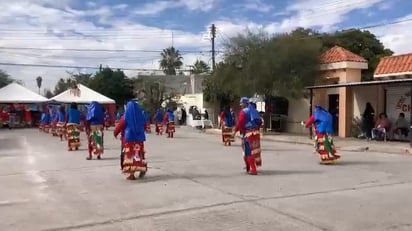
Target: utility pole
{"points": [[173, 39], [213, 33]]}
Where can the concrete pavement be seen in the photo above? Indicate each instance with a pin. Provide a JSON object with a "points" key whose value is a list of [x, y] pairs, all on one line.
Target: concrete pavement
{"points": [[195, 183]]}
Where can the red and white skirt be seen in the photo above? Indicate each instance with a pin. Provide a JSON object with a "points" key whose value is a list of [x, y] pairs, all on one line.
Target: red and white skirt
{"points": [[251, 145], [134, 158]]}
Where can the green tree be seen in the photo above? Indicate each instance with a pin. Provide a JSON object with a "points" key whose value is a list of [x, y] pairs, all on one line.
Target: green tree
{"points": [[284, 64], [62, 85], [113, 84], [256, 63], [5, 79], [360, 42], [47, 93], [171, 60], [81, 78], [200, 67], [152, 93]]}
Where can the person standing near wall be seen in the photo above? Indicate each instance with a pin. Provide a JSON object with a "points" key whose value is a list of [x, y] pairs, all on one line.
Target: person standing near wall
{"points": [[368, 121]]}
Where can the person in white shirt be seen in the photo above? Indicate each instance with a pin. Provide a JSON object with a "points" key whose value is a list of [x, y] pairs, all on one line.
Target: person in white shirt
{"points": [[401, 126]]}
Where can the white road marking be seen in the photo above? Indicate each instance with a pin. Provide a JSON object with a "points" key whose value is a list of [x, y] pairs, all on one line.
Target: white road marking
{"points": [[11, 202]]}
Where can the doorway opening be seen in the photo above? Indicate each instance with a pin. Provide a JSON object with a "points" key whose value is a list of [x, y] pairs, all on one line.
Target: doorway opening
{"points": [[334, 111]]}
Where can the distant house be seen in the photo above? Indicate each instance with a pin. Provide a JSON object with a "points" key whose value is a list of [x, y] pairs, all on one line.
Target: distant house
{"points": [[340, 90], [397, 96], [177, 84]]}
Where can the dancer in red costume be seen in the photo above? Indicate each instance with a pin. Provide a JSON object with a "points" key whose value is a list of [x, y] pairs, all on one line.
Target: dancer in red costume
{"points": [[95, 130], [248, 125], [169, 120], [158, 119], [119, 129], [134, 137], [106, 119], [227, 123], [323, 126]]}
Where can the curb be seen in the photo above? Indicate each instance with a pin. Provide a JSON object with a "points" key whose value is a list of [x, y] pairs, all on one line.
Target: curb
{"points": [[402, 151]]}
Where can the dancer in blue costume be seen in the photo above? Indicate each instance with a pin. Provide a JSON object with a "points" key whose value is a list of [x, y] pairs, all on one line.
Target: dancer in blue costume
{"points": [[248, 125], [106, 119], [228, 124], [42, 122], [134, 138], [158, 118], [95, 120], [323, 123], [73, 127], [61, 124], [46, 120], [169, 120], [54, 121], [118, 116]]}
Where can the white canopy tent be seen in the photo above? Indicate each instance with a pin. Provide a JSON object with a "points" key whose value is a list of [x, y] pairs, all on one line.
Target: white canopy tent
{"points": [[83, 95], [15, 93]]}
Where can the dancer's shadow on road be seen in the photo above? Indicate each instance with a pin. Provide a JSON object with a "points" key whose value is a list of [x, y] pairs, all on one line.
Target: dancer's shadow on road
{"points": [[280, 150], [354, 163], [287, 172], [110, 158], [194, 177]]}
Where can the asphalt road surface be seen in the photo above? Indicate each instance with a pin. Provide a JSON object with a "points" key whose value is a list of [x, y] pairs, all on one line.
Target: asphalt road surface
{"points": [[195, 183]]}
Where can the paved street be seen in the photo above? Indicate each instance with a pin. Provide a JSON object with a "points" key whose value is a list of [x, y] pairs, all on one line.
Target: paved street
{"points": [[195, 183]]}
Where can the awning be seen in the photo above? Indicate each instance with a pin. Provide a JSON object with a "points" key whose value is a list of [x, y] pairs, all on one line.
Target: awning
{"points": [[363, 83]]}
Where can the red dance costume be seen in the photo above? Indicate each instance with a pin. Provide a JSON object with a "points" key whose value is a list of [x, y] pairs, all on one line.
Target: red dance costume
{"points": [[250, 144], [133, 153], [170, 126], [323, 144]]}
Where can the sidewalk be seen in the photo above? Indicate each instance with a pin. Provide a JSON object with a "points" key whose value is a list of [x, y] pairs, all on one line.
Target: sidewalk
{"points": [[343, 144]]}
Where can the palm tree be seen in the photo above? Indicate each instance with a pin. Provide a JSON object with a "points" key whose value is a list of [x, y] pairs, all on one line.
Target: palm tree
{"points": [[39, 81], [171, 60], [200, 67]]}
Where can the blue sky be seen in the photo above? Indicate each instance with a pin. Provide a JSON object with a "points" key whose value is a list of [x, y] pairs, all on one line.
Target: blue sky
{"points": [[154, 25]]}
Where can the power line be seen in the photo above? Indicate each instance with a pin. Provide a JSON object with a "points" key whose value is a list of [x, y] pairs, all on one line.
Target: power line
{"points": [[63, 56], [98, 50], [80, 67], [386, 24], [343, 30], [152, 51]]}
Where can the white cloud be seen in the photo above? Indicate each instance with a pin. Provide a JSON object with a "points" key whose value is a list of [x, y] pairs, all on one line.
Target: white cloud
{"points": [[256, 5], [154, 7], [36, 24], [326, 15], [303, 13], [396, 36], [203, 5], [320, 13], [159, 6], [57, 28]]}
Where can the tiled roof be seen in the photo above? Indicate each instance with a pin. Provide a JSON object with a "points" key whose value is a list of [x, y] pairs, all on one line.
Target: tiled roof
{"points": [[392, 65], [338, 54]]}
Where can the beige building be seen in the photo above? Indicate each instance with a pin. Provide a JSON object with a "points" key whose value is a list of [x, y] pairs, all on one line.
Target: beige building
{"points": [[340, 90]]}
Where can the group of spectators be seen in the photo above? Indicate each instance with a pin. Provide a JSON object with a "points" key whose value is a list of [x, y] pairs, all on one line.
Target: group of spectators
{"points": [[381, 127]]}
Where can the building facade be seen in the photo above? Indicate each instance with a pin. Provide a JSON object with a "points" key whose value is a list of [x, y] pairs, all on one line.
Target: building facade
{"points": [[340, 90]]}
